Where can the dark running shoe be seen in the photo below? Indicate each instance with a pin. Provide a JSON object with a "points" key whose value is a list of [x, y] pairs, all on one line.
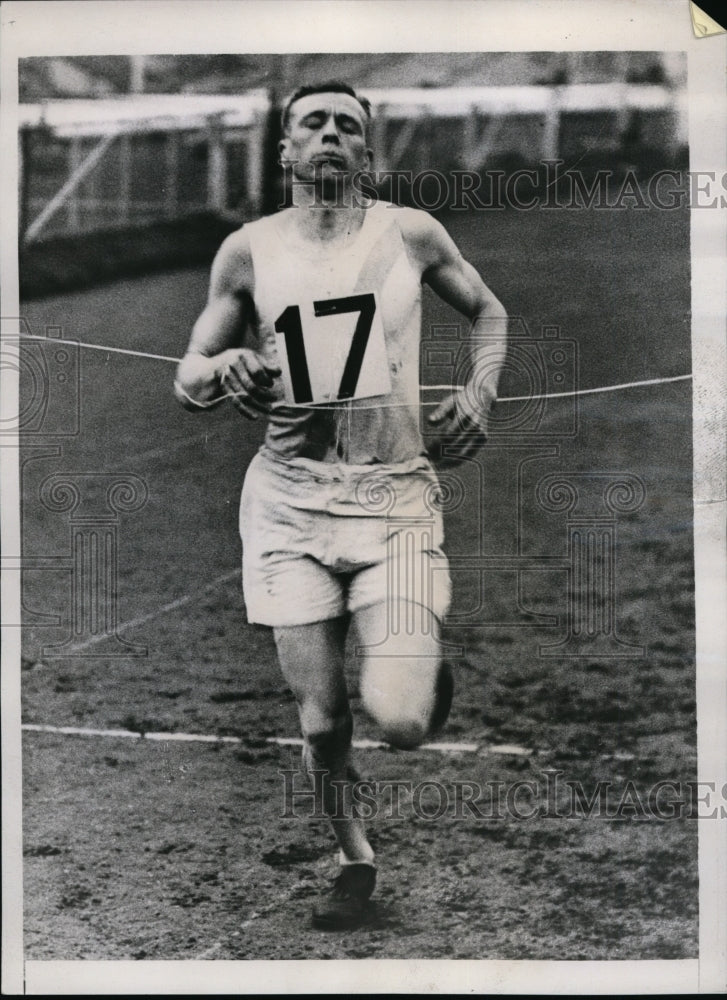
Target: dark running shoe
{"points": [[346, 905]]}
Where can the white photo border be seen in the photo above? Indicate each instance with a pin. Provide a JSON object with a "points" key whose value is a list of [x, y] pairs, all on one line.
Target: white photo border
{"points": [[259, 26]]}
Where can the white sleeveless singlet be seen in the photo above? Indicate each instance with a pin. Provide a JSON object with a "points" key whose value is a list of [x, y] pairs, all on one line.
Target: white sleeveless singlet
{"points": [[372, 280]]}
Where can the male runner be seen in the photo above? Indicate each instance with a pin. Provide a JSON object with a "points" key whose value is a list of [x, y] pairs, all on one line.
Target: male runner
{"points": [[330, 496]]}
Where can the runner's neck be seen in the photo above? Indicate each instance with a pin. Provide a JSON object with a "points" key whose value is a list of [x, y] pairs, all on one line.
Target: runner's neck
{"points": [[334, 224]]}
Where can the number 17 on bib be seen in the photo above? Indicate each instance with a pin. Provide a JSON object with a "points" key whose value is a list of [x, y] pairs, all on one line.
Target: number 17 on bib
{"points": [[332, 349]]}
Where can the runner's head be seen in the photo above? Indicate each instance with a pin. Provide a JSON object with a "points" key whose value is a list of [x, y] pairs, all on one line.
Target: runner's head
{"points": [[325, 131], [330, 87]]}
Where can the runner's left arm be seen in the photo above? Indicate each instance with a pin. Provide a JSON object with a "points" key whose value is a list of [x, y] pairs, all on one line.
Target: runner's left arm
{"points": [[461, 419]]}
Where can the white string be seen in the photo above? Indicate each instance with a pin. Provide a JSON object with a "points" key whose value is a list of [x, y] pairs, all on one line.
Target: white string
{"points": [[461, 388], [327, 406], [99, 347], [590, 392], [196, 402]]}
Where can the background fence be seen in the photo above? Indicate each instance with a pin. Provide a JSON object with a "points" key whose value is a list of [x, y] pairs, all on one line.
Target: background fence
{"points": [[116, 157]]}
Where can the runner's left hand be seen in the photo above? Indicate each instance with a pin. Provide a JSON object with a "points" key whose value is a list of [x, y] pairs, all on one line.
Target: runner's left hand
{"points": [[461, 423]]}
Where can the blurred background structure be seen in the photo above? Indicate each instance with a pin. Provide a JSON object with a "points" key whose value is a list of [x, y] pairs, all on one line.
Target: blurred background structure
{"points": [[114, 145]]}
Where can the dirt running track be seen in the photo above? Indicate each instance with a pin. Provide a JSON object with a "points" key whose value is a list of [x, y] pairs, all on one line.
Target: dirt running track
{"points": [[159, 850]]}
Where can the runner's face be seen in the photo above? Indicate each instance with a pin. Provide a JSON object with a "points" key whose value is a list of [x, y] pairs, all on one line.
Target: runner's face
{"points": [[326, 136]]}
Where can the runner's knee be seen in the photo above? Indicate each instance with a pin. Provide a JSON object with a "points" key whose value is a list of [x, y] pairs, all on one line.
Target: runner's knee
{"points": [[399, 697], [403, 733], [408, 701]]}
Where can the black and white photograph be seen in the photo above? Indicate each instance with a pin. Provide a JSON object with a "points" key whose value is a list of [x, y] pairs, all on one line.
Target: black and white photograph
{"points": [[363, 497]]}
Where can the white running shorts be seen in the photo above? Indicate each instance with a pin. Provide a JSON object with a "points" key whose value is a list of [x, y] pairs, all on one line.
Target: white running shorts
{"points": [[322, 539]]}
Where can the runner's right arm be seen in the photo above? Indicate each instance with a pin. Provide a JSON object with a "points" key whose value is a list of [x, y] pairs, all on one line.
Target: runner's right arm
{"points": [[216, 364]]}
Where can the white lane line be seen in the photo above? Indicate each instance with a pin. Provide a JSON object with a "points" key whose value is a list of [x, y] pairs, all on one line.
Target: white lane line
{"points": [[512, 749], [296, 741], [283, 741], [142, 619]]}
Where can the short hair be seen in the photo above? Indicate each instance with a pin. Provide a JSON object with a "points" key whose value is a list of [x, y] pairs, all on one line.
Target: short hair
{"points": [[329, 87]]}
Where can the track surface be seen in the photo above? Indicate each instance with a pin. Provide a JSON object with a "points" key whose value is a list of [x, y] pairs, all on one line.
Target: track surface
{"points": [[140, 849]]}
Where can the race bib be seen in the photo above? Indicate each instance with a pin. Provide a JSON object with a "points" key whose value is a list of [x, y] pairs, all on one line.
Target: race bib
{"points": [[332, 349]]}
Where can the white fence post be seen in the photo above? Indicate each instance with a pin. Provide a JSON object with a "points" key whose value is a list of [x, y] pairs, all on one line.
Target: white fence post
{"points": [[551, 130], [59, 200], [254, 152], [216, 166]]}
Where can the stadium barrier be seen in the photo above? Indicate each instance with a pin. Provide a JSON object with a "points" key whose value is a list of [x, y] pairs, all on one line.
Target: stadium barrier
{"points": [[120, 186]]}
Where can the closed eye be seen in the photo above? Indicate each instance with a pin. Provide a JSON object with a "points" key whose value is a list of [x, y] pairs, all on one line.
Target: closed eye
{"points": [[345, 123], [349, 125], [313, 121]]}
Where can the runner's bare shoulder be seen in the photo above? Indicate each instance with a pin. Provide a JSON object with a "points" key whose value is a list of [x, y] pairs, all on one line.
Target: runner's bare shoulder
{"points": [[426, 240], [232, 270]]}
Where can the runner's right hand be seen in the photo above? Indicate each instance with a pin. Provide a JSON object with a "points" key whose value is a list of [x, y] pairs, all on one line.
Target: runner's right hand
{"points": [[250, 378]]}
